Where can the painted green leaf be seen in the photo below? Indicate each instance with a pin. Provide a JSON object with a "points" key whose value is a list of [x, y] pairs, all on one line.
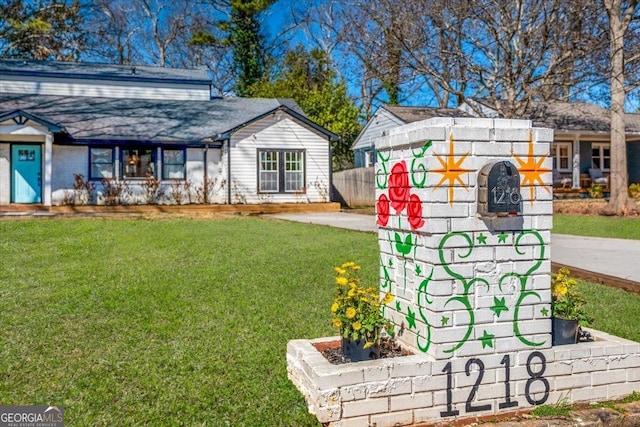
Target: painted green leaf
{"points": [[403, 247]]}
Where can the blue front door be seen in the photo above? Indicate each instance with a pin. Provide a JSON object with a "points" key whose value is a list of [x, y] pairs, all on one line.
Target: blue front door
{"points": [[26, 173]]}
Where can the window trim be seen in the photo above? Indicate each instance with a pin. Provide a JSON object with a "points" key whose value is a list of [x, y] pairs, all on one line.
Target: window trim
{"points": [[91, 163], [184, 163], [154, 160], [557, 157], [601, 157], [281, 170]]}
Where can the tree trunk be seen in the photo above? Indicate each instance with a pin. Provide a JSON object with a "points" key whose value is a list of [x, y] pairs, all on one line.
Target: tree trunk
{"points": [[619, 202]]}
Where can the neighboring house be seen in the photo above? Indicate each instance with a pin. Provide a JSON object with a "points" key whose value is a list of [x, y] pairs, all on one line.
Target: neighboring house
{"points": [[581, 135], [103, 80], [136, 147], [388, 117]]}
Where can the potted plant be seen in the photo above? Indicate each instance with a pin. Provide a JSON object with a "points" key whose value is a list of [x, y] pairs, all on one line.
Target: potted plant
{"points": [[357, 313], [568, 309], [595, 191]]}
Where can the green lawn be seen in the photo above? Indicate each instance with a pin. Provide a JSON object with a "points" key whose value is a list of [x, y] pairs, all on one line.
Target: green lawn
{"points": [[597, 226], [603, 300], [179, 322], [167, 322]]}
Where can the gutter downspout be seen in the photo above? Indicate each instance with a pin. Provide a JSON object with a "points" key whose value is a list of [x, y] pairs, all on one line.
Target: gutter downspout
{"points": [[206, 172], [228, 171]]}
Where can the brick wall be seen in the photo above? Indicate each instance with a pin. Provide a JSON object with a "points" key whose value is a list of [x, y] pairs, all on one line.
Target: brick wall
{"points": [[465, 283], [417, 389]]}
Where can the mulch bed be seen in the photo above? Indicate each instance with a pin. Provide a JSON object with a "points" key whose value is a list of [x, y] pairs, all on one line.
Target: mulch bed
{"points": [[388, 348]]}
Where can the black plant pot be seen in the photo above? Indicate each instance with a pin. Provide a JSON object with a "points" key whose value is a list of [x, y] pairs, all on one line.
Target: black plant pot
{"points": [[563, 331], [355, 350]]}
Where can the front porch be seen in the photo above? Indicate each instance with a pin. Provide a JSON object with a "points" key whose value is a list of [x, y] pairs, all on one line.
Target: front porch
{"points": [[575, 193], [563, 188]]}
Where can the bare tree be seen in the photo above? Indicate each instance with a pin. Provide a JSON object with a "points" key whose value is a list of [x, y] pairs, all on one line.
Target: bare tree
{"points": [[145, 31], [511, 53], [620, 15], [207, 47], [166, 21], [376, 33], [114, 26]]}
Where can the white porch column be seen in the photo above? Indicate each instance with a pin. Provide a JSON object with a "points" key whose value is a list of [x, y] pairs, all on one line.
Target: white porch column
{"points": [[46, 178], [576, 162]]}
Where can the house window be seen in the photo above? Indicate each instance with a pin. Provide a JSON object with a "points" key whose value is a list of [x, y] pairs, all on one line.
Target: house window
{"points": [[601, 156], [173, 164], [280, 171], [293, 171], [137, 162], [100, 163], [369, 159], [561, 156]]}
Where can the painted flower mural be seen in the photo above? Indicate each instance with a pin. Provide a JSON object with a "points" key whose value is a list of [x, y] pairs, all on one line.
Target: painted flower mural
{"points": [[399, 198], [399, 186], [382, 209], [414, 212]]}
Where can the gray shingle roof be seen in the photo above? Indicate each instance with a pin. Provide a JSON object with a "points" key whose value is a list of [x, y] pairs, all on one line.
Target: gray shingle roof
{"points": [[579, 117], [102, 71], [110, 119], [562, 116], [414, 114]]}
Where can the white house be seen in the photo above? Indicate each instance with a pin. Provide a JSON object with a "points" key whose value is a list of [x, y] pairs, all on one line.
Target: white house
{"points": [[150, 135]]}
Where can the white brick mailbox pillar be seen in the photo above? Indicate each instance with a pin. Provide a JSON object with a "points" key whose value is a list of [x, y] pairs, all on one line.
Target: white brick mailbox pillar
{"points": [[467, 282], [464, 212]]}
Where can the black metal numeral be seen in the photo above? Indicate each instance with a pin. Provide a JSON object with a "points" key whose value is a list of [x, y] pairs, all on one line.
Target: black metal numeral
{"points": [[469, 407], [450, 412], [536, 376], [508, 403]]}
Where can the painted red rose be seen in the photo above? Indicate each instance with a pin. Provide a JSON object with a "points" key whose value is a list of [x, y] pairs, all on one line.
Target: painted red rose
{"points": [[399, 186], [414, 212], [382, 209]]}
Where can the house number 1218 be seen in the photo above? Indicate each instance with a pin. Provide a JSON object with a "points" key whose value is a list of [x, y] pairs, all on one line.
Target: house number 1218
{"points": [[507, 403]]}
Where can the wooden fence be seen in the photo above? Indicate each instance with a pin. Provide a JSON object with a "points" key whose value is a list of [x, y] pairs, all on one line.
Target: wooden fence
{"points": [[355, 187]]}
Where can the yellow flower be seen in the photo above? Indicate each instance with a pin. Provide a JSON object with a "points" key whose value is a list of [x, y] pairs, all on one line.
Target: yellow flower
{"points": [[388, 298], [341, 281], [337, 323], [334, 307], [356, 326], [560, 289], [351, 313], [340, 270], [356, 267], [351, 292]]}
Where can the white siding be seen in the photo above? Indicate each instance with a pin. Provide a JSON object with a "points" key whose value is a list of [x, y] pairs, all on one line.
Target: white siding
{"points": [[278, 132], [381, 121], [195, 172], [103, 88], [67, 161], [5, 174]]}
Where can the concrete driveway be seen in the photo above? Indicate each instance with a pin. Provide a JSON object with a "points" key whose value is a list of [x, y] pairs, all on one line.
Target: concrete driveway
{"points": [[612, 257]]}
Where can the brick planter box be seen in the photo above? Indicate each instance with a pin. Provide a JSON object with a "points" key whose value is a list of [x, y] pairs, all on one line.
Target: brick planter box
{"points": [[417, 389]]}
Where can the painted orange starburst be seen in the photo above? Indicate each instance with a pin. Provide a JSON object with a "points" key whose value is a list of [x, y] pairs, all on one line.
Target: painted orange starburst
{"points": [[531, 170], [451, 170]]}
